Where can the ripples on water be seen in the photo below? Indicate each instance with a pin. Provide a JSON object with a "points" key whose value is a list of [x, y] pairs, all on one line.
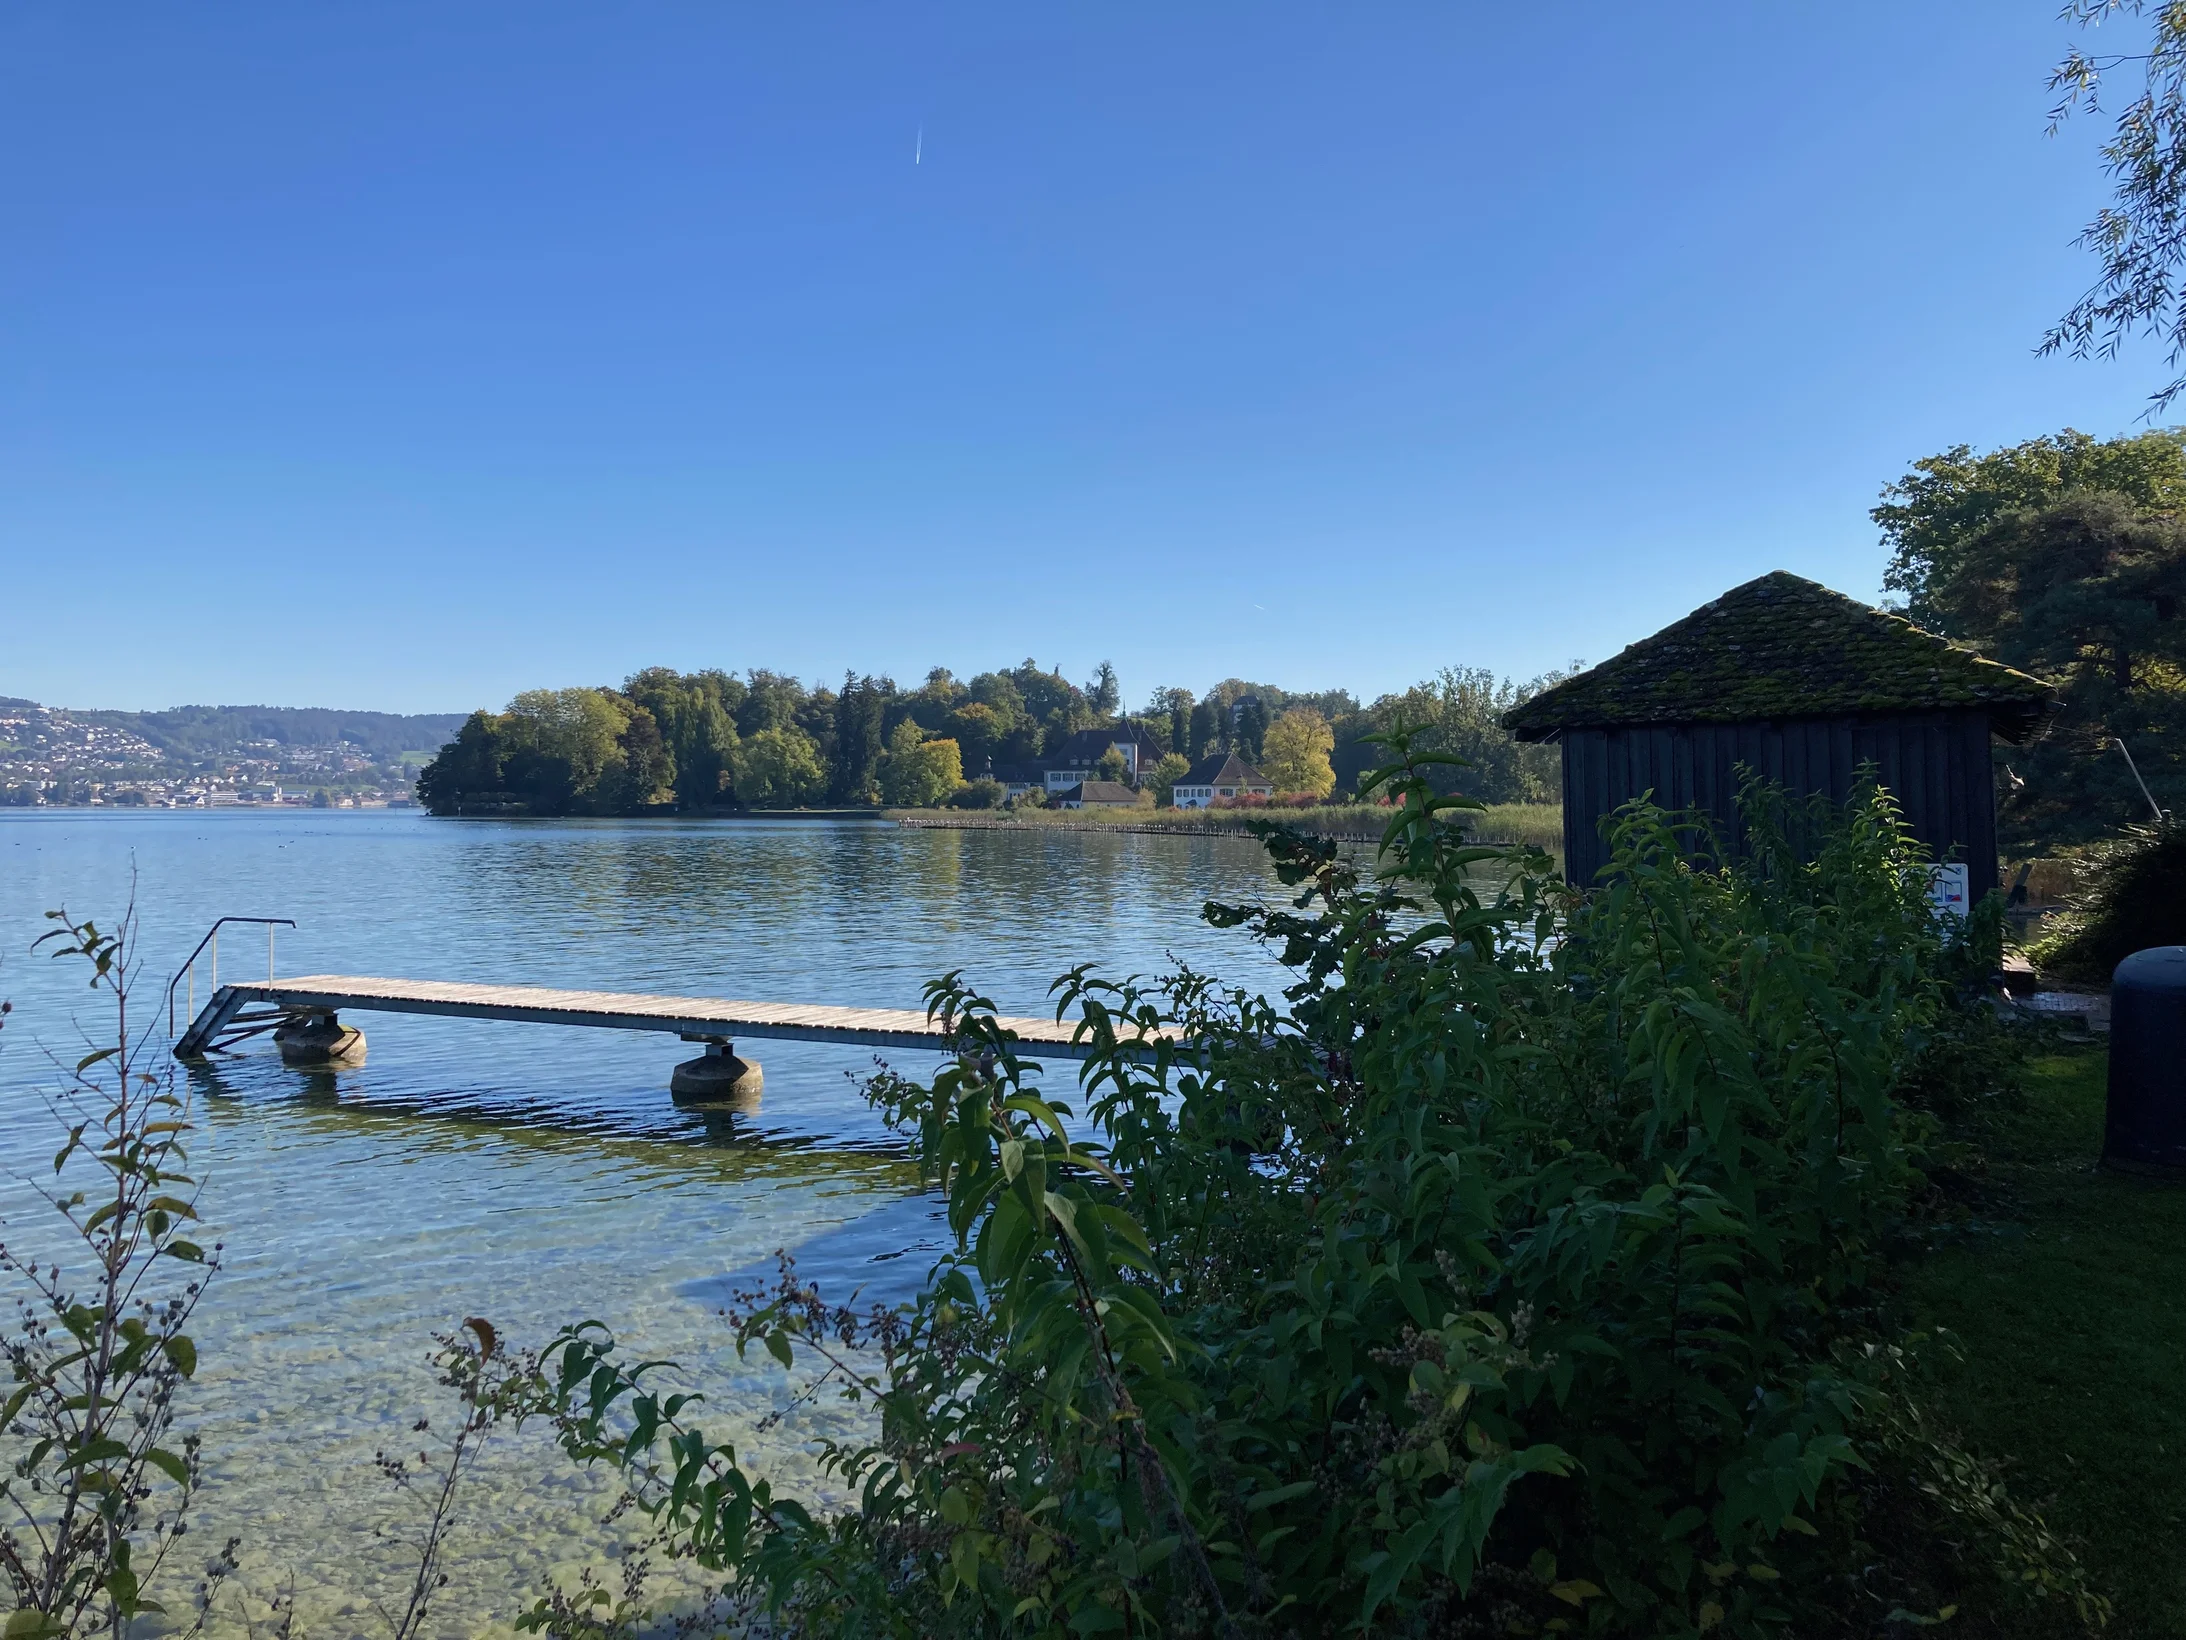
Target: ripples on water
{"points": [[534, 1174]]}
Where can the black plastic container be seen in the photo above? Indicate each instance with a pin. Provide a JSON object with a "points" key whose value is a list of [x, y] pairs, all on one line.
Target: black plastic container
{"points": [[2146, 1121]]}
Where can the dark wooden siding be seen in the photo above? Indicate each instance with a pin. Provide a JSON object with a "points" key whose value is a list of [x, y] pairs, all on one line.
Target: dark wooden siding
{"points": [[1936, 764]]}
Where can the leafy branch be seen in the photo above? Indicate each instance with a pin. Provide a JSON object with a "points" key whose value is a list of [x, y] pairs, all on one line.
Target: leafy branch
{"points": [[100, 1483]]}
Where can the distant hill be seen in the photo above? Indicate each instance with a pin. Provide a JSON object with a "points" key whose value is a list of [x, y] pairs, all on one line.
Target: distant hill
{"points": [[207, 731]]}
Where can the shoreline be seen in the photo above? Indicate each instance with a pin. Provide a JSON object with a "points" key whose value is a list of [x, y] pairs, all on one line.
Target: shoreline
{"points": [[1517, 824]]}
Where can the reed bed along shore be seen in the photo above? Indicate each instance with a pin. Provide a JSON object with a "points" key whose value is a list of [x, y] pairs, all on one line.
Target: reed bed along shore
{"points": [[1537, 823]]}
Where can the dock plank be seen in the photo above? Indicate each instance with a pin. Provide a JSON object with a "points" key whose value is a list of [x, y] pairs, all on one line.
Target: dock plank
{"points": [[620, 1010]]}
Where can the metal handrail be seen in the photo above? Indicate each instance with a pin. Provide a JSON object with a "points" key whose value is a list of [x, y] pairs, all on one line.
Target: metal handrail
{"points": [[2162, 814], [212, 938]]}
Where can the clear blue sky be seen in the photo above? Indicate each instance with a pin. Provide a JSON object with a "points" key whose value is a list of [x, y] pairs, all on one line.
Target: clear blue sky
{"points": [[407, 355]]}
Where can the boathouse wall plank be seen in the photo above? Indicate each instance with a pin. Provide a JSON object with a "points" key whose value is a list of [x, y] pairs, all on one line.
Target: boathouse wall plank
{"points": [[1937, 765]]}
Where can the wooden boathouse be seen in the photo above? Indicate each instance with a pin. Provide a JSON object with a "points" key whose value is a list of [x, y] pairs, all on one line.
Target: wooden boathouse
{"points": [[1801, 686]]}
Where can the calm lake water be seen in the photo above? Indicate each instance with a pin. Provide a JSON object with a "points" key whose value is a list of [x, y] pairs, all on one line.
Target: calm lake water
{"points": [[532, 1174]]}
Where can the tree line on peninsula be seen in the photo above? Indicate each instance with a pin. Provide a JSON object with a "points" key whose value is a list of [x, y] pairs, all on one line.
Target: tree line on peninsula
{"points": [[698, 742]]}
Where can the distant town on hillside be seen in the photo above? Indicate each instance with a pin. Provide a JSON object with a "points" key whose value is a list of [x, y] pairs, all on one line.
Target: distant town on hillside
{"points": [[213, 756]]}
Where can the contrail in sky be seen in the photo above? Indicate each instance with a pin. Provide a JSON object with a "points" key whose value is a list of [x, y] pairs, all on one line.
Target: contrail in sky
{"points": [[918, 154]]}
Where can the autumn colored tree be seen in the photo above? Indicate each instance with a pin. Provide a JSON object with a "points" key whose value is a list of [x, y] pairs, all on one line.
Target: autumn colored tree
{"points": [[1295, 753]]}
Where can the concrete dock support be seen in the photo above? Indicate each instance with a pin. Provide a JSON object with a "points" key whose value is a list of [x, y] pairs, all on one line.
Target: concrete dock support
{"points": [[319, 1038], [716, 1077]]}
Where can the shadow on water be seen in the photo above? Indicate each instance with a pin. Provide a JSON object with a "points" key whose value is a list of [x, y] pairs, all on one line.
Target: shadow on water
{"points": [[718, 1142], [882, 1258]]}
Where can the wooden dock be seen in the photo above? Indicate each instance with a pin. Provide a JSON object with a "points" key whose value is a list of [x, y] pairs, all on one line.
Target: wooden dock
{"points": [[695, 1018]]}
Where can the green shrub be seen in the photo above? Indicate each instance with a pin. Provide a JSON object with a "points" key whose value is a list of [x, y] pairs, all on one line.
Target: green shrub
{"points": [[100, 1471], [978, 794], [98, 1478], [1518, 1271], [2132, 896]]}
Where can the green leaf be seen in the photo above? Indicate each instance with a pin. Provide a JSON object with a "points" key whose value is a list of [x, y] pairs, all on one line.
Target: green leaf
{"points": [[182, 1353], [99, 1449], [1039, 1110], [1065, 1213], [121, 1587], [169, 1464], [1278, 1494], [1147, 1309]]}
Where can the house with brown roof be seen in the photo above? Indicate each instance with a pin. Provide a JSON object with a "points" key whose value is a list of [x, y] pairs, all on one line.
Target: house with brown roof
{"points": [[1225, 774], [1785, 679], [1097, 794]]}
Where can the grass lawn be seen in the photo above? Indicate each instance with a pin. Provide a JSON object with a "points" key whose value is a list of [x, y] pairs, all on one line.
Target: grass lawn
{"points": [[2069, 1305]]}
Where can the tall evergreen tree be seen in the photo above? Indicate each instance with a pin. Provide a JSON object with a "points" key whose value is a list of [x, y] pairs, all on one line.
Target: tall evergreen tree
{"points": [[1251, 730], [861, 723], [1206, 729], [1173, 706], [646, 772]]}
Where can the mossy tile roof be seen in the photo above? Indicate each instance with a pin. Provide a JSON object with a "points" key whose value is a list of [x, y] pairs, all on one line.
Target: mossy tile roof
{"points": [[1783, 647]]}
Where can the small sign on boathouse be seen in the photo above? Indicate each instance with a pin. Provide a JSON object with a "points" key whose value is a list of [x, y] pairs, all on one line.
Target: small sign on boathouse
{"points": [[1802, 686]]}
